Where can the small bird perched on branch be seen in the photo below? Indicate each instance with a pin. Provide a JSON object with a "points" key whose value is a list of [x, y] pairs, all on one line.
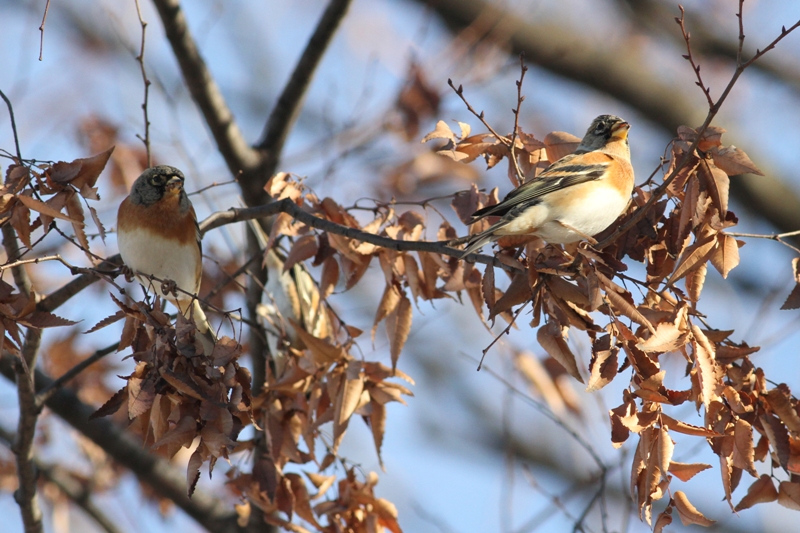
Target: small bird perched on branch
{"points": [[575, 198], [157, 234]]}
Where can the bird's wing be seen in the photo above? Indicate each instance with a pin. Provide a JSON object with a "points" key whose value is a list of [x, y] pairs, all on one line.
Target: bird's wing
{"points": [[566, 172]]}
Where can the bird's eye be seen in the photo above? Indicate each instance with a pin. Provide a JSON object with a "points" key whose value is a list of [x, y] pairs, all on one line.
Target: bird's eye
{"points": [[156, 181]]}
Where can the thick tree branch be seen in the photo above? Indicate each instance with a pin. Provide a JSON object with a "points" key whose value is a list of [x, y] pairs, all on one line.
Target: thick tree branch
{"points": [[209, 511], [287, 107], [239, 156], [27, 472]]}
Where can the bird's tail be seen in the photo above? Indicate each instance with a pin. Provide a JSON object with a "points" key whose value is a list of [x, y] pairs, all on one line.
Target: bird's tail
{"points": [[477, 241], [205, 332]]}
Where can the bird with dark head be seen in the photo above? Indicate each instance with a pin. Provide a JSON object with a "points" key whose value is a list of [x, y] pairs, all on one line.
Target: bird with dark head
{"points": [[575, 198], [157, 234]]}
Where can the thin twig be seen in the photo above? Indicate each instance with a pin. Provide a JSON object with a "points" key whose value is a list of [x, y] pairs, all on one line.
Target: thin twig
{"points": [[775, 237], [140, 60], [690, 58], [207, 187], [41, 29], [460, 92], [13, 122], [502, 333], [520, 98], [43, 395], [547, 412]]}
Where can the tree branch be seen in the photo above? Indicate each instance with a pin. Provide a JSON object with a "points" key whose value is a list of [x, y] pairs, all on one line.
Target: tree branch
{"points": [[27, 472], [287, 108], [205, 91], [220, 218]]}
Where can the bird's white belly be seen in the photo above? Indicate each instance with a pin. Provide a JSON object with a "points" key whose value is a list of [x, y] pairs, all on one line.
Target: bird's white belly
{"points": [[164, 259], [584, 216], [558, 225]]}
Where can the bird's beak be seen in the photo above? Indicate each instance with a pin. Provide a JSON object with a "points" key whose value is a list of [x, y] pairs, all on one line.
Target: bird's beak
{"points": [[174, 184], [620, 131]]}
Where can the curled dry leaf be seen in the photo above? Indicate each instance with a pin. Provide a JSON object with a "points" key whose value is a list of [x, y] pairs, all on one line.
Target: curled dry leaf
{"points": [[688, 513]]}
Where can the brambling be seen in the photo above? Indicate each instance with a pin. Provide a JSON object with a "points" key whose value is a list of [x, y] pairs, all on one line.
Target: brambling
{"points": [[157, 234], [575, 198]]}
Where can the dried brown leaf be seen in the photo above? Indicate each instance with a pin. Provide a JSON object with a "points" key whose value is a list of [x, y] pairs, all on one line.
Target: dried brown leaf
{"points": [[323, 351], [726, 255], [761, 491], [329, 278], [398, 326], [551, 338], [560, 143], [789, 495], [442, 131], [686, 471], [304, 248], [781, 405], [41, 207], [710, 372], [687, 429], [733, 161], [693, 256], [688, 513], [603, 366], [743, 452]]}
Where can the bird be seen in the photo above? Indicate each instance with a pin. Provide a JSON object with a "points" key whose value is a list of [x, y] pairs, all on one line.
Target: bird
{"points": [[158, 235], [575, 198]]}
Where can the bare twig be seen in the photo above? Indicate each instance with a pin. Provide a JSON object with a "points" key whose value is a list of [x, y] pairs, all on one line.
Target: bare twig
{"points": [[47, 392], [207, 187], [520, 98], [460, 92], [37, 260], [774, 237], [41, 29], [690, 58], [13, 122], [502, 333], [140, 60]]}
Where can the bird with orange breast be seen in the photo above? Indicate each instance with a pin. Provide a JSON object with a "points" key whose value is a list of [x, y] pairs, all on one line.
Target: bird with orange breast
{"points": [[157, 234], [575, 198]]}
